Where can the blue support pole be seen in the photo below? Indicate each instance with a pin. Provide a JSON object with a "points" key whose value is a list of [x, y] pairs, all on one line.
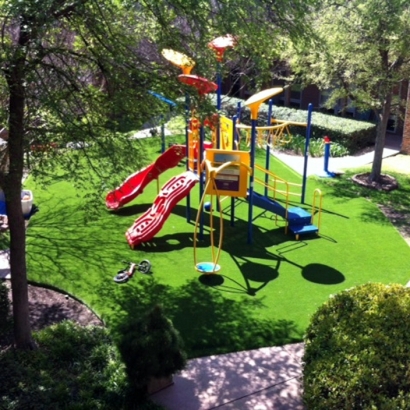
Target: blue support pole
{"points": [[326, 171], [251, 179], [219, 83], [270, 109], [307, 141], [267, 164], [162, 134], [326, 158], [238, 111]]}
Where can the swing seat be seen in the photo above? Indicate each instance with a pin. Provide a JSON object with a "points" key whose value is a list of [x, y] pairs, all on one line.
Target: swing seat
{"points": [[207, 267]]}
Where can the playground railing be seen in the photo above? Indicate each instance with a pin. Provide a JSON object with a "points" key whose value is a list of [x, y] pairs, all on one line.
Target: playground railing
{"points": [[317, 196], [268, 134], [286, 193]]}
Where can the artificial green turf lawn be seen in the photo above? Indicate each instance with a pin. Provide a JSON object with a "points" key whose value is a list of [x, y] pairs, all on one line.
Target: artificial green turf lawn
{"points": [[265, 292]]}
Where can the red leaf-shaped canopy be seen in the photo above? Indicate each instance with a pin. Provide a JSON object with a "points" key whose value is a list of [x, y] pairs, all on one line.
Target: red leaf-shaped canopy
{"points": [[203, 85]]}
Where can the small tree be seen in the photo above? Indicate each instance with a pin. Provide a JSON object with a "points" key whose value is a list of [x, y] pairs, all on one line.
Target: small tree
{"points": [[150, 347]]}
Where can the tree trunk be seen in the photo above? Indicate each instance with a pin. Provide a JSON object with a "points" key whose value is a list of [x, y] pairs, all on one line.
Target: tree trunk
{"points": [[12, 184], [380, 139]]}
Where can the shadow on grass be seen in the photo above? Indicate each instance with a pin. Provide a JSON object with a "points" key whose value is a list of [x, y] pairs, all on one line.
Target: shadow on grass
{"points": [[208, 322], [129, 210], [59, 246], [323, 274]]}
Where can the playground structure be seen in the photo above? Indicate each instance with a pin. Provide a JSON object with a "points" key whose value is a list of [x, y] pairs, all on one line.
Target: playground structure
{"points": [[224, 168]]}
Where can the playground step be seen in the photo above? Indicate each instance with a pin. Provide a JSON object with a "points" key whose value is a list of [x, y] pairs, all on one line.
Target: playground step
{"points": [[299, 215], [303, 229]]}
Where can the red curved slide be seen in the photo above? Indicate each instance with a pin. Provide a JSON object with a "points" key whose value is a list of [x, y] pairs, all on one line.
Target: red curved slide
{"points": [[151, 222], [135, 183]]}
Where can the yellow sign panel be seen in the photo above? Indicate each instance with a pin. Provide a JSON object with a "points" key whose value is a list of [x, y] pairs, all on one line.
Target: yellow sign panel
{"points": [[226, 133], [230, 171]]}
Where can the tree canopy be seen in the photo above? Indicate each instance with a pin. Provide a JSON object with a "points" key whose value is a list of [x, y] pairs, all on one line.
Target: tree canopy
{"points": [[76, 71], [360, 53]]}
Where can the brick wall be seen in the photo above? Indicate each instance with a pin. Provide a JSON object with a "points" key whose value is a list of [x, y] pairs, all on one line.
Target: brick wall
{"points": [[405, 146]]}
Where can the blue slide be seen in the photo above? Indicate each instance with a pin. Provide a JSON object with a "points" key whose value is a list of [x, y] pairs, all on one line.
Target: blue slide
{"points": [[299, 219]]}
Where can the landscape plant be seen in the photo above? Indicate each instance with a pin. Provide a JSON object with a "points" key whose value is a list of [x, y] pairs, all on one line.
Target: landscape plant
{"points": [[296, 144], [5, 318], [150, 347], [74, 368], [357, 347]]}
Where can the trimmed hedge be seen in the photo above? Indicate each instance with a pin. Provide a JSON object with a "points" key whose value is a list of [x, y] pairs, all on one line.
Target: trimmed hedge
{"points": [[352, 134], [357, 350]]}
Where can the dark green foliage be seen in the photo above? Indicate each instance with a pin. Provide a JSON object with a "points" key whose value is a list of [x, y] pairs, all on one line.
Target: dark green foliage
{"points": [[358, 350], [352, 134], [74, 368], [150, 347], [316, 147], [5, 319]]}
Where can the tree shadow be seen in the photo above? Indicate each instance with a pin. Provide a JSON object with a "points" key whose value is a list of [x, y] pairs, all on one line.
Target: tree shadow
{"points": [[207, 322], [323, 274]]}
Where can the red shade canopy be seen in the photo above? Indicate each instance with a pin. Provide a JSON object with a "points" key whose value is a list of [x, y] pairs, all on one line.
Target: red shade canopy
{"points": [[220, 44], [203, 85]]}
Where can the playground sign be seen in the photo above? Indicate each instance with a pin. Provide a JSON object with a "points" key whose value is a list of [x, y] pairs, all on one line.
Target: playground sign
{"points": [[230, 170]]}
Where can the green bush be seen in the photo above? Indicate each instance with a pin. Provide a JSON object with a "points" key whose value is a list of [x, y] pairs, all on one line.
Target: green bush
{"points": [[150, 347], [5, 317], [73, 368], [352, 134], [357, 350], [316, 147]]}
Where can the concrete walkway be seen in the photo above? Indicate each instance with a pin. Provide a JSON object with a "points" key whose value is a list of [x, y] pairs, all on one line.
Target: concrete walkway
{"points": [[261, 379], [316, 166]]}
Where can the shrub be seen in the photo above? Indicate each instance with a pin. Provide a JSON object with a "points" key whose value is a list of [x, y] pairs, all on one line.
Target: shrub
{"points": [[316, 147], [150, 347], [357, 351], [73, 368], [5, 317]]}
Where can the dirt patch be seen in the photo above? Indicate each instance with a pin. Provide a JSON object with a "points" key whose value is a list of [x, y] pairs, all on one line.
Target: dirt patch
{"points": [[48, 307], [383, 183]]}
